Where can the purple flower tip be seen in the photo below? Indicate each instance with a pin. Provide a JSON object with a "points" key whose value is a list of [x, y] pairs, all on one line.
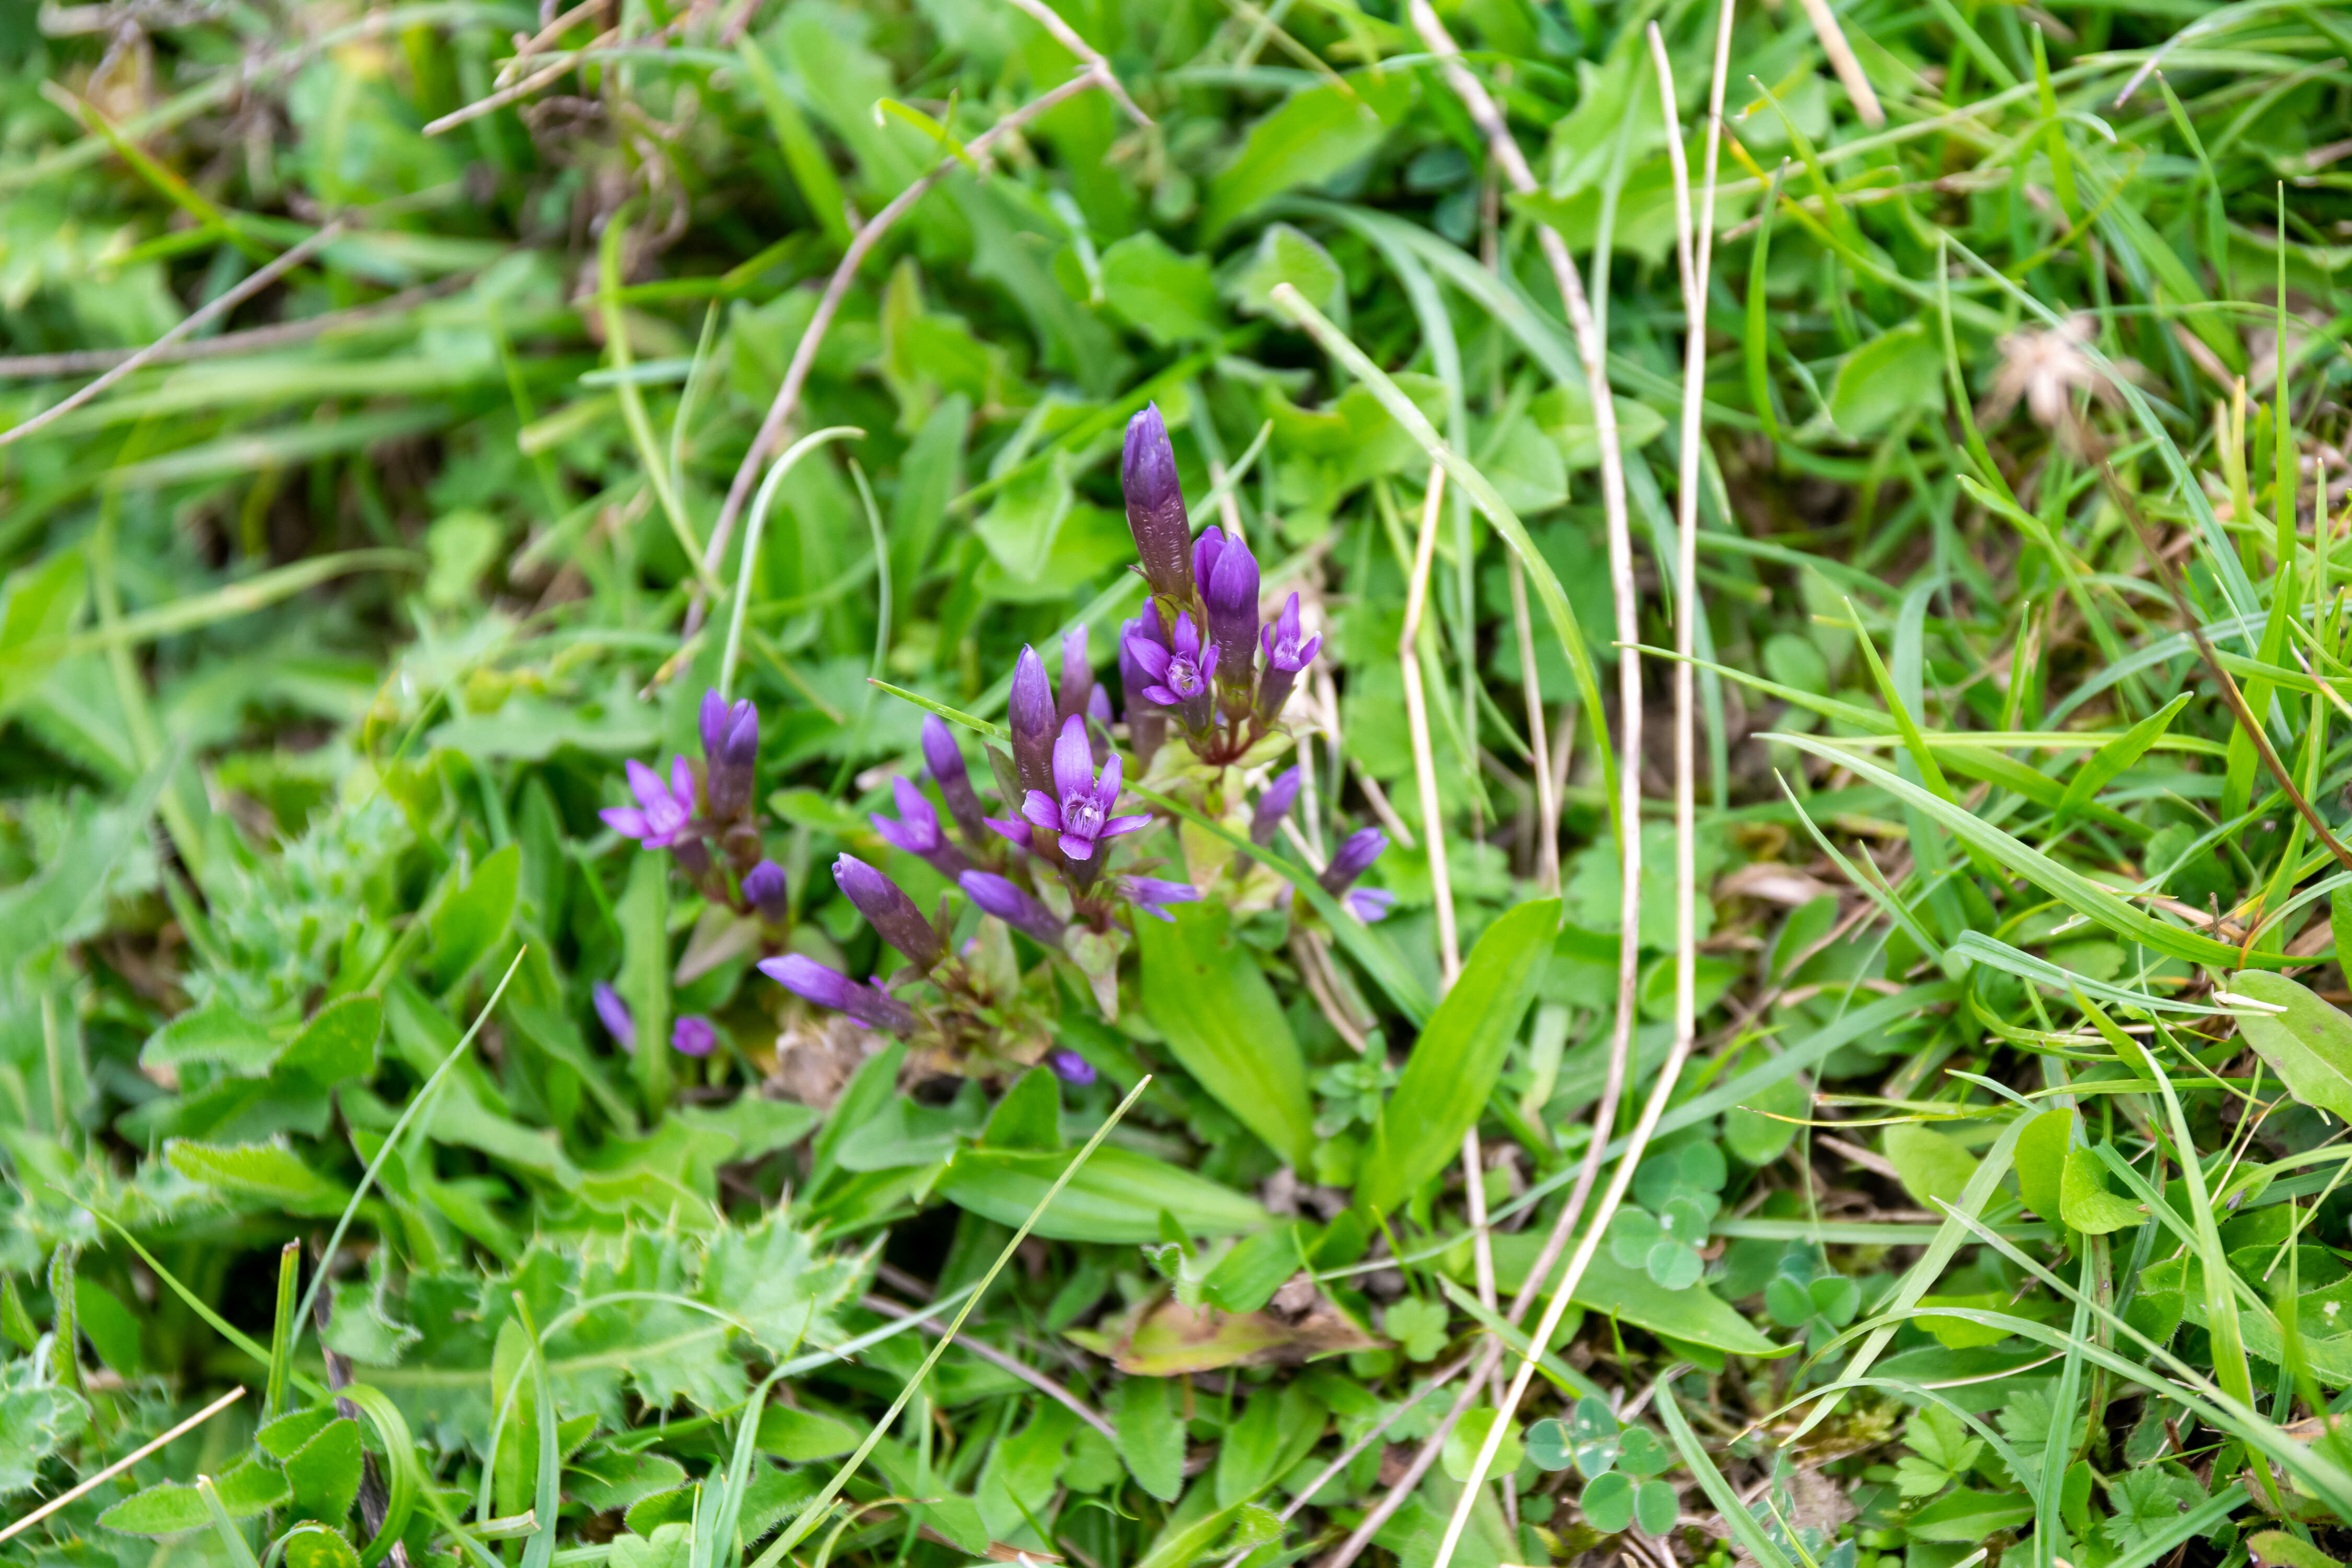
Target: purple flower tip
{"points": [[1071, 1067], [812, 981], [694, 1037], [1273, 804], [997, 896], [1355, 857], [1369, 904], [1149, 893], [1286, 649], [764, 886], [614, 1014]]}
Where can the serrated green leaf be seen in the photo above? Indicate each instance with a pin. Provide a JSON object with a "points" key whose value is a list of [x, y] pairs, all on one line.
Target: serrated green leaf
{"points": [[267, 1173]]}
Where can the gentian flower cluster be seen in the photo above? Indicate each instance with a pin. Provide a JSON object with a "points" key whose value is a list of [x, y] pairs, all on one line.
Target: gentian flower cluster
{"points": [[1199, 656]]}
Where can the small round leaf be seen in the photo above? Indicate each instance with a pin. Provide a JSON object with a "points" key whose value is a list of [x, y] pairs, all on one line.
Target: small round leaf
{"points": [[1655, 1508], [1674, 1265], [1550, 1447], [1639, 1453], [1608, 1503]]}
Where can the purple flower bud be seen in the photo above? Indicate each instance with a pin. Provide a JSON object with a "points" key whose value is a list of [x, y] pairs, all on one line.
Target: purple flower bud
{"points": [[1180, 674], [731, 750], [1155, 506], [997, 896], [1355, 857], [1077, 675], [944, 757], [1149, 893], [1098, 708], [1287, 652], [1368, 904], [765, 889], [1080, 808], [890, 910], [664, 815], [615, 1014], [869, 1005], [1231, 589], [1273, 804], [1070, 1067], [1033, 721], [1205, 551], [694, 1037], [917, 831]]}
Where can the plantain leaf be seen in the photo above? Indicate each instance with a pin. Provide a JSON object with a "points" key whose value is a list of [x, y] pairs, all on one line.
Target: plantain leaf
{"points": [[1205, 993]]}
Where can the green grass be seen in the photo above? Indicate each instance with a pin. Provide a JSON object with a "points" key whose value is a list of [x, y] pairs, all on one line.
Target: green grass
{"points": [[1988, 1200]]}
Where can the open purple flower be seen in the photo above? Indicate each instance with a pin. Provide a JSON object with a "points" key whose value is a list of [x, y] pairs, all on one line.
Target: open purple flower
{"points": [[694, 1037], [1148, 894], [1070, 1067], [1287, 652], [615, 1014], [869, 1005], [664, 815], [1273, 804], [917, 831], [998, 897], [1083, 814], [1180, 674], [765, 889], [730, 749]]}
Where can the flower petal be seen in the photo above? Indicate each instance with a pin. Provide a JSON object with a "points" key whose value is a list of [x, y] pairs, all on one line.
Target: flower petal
{"points": [[1118, 824], [1149, 656], [625, 820], [681, 781], [1107, 791], [1074, 760], [1076, 849], [1162, 695], [644, 783], [1042, 809], [1007, 828]]}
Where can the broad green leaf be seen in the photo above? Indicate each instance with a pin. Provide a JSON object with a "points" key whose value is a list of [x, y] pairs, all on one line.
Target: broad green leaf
{"points": [[270, 1171], [1454, 1065], [476, 918], [324, 1473], [1286, 254], [1469, 1435], [246, 1489], [1931, 1165], [1168, 297], [279, 1438], [43, 600], [2083, 1201], [110, 1327], [1696, 1315], [1151, 1437], [340, 1043], [1607, 1501], [218, 1034], [1117, 1196], [2306, 1040], [1898, 373], [958, 1519], [1655, 1507], [1970, 1516], [1029, 1117], [316, 1546], [2277, 1546], [1760, 1129], [1204, 991], [1318, 133], [800, 1435], [2041, 1160]]}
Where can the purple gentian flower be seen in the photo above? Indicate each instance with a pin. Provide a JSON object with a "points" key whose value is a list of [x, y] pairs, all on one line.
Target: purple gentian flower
{"points": [[1012, 829], [1147, 724], [1368, 904], [730, 749], [1230, 589], [1155, 506], [890, 911], [615, 1014], [998, 897], [1149, 893], [664, 815], [1030, 719], [1070, 1067], [869, 1005], [765, 889], [917, 831], [694, 1037], [1180, 674], [1273, 804], [1083, 814], [1287, 652], [945, 759], [1355, 854]]}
